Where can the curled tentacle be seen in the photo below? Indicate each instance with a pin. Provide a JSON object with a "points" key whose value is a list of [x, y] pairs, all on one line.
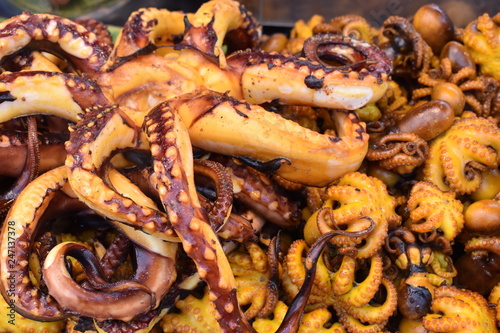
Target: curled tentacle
{"points": [[332, 156], [459, 156], [207, 28], [142, 292], [261, 194], [401, 152], [408, 44], [221, 208], [461, 308], [17, 233], [87, 155], [55, 35], [144, 31], [297, 81]]}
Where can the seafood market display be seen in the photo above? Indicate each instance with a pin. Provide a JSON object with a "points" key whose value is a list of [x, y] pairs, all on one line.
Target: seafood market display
{"points": [[193, 174]]}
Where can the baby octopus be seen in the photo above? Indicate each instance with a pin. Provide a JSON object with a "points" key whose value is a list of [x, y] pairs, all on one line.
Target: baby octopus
{"points": [[134, 98], [462, 153]]}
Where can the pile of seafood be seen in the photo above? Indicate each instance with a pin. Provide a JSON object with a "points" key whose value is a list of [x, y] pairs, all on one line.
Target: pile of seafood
{"points": [[192, 174]]}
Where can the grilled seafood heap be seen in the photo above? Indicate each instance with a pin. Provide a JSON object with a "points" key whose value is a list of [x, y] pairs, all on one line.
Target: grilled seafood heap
{"points": [[194, 174]]}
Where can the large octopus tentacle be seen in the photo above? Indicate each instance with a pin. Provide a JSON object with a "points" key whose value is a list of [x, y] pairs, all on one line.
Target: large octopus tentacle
{"points": [[17, 233], [297, 81], [144, 291], [55, 35], [38, 92], [172, 156], [144, 30], [207, 28], [332, 156], [87, 152]]}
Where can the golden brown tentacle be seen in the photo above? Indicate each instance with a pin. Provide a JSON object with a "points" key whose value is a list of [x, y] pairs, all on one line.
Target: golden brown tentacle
{"points": [[315, 158], [266, 77], [459, 310], [54, 34], [173, 164], [144, 31], [88, 150], [38, 92], [207, 28]]}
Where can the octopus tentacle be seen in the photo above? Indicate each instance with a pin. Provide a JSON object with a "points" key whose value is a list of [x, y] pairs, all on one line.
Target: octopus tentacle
{"points": [[364, 291], [207, 28], [30, 60], [332, 156], [114, 255], [142, 292], [15, 146], [56, 35], [399, 151], [358, 199], [368, 313], [297, 81], [32, 92], [221, 208], [17, 323], [352, 324], [431, 209], [258, 192], [469, 140], [255, 279], [172, 155], [30, 170], [408, 42], [86, 156], [144, 31], [17, 233], [343, 280]]}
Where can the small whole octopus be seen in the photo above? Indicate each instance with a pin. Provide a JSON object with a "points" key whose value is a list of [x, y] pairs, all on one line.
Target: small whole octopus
{"points": [[192, 174]]}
